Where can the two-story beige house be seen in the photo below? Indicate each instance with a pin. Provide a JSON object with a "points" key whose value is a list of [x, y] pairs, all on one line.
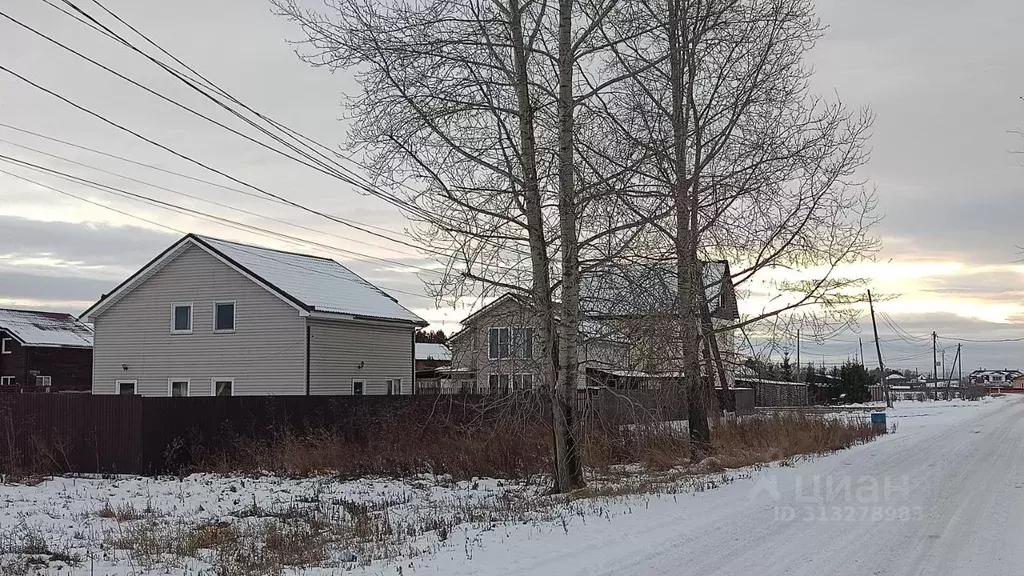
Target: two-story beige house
{"points": [[627, 332], [209, 317]]}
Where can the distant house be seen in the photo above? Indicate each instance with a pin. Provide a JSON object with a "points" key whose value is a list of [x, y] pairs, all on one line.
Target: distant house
{"points": [[430, 357], [44, 351], [213, 317], [627, 318], [1000, 378]]}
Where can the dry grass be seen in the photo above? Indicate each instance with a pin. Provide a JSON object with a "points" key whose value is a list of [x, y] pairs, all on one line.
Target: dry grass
{"points": [[625, 463], [25, 550], [521, 451], [976, 393], [122, 512], [783, 435], [395, 449]]}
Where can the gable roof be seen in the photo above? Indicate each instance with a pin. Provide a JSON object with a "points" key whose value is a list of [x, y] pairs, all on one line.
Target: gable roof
{"points": [[638, 290], [310, 284], [506, 297], [45, 329], [430, 351]]}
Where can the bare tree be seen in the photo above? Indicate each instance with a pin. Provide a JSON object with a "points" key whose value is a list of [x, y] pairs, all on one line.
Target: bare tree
{"points": [[537, 144], [469, 107], [757, 170]]}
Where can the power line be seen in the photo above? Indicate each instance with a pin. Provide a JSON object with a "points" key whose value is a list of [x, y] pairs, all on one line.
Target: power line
{"points": [[179, 209], [222, 205], [322, 164], [333, 169], [194, 161], [178, 174], [154, 223], [993, 341], [93, 202], [900, 332]]}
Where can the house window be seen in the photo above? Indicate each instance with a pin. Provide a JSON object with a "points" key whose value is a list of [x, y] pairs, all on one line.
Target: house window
{"points": [[223, 316], [522, 342], [357, 387], [5, 345], [177, 387], [523, 381], [510, 343], [223, 387], [181, 318], [498, 382], [394, 386], [126, 387], [44, 381], [6, 380], [497, 343]]}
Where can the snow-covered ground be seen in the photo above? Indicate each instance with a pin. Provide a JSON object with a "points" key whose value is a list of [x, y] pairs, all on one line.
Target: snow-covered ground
{"points": [[943, 494]]}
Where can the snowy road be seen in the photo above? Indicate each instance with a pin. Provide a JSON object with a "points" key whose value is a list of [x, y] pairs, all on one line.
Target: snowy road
{"points": [[942, 495]]}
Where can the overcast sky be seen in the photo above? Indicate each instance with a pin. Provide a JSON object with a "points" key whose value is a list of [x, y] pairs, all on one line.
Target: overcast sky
{"points": [[942, 76]]}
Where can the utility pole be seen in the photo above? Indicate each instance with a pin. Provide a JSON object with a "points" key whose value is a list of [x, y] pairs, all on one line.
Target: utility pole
{"points": [[798, 365], [863, 360], [961, 365], [935, 363], [943, 377], [878, 348], [949, 380]]}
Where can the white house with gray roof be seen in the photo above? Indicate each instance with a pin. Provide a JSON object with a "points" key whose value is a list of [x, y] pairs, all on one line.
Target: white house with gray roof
{"points": [[213, 317], [627, 321]]}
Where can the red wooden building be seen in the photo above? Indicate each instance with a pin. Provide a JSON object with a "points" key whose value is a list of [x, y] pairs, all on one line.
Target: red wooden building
{"points": [[44, 352]]}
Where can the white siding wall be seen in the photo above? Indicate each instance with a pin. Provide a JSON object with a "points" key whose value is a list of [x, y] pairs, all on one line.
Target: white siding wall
{"points": [[338, 348], [470, 350], [266, 355]]}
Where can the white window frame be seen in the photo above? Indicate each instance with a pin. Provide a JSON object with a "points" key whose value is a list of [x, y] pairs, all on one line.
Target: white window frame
{"points": [[191, 317], [6, 380], [512, 350], [44, 381], [234, 317], [170, 386], [498, 376], [213, 385], [394, 386], [491, 330], [4, 348], [522, 385], [134, 383], [361, 381]]}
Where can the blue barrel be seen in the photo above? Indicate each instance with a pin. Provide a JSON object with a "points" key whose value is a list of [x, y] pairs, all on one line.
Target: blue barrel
{"points": [[878, 422]]}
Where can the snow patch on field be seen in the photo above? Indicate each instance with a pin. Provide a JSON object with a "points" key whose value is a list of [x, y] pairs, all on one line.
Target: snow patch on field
{"points": [[425, 524]]}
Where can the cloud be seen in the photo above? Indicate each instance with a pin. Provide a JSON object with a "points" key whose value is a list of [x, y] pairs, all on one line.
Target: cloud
{"points": [[87, 244], [949, 188]]}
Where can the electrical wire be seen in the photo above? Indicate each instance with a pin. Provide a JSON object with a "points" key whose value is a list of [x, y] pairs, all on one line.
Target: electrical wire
{"points": [[263, 232], [332, 167], [178, 174], [166, 227], [222, 205], [93, 202], [196, 162]]}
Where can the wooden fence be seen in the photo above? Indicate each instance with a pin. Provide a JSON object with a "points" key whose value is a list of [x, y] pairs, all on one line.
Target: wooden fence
{"points": [[771, 393]]}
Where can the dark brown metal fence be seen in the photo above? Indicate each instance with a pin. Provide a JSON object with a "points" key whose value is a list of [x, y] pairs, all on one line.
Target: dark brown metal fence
{"points": [[81, 433], [139, 435]]}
